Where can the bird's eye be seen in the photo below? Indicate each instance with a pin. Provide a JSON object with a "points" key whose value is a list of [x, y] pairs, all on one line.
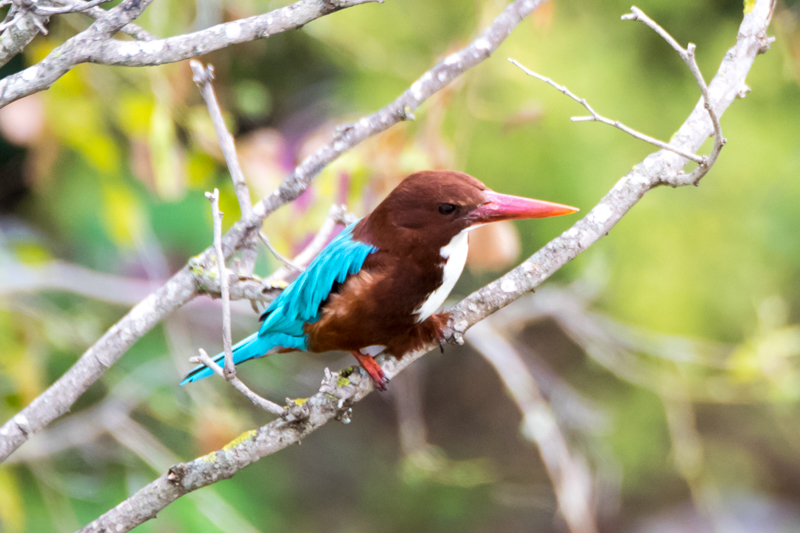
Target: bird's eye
{"points": [[447, 209]]}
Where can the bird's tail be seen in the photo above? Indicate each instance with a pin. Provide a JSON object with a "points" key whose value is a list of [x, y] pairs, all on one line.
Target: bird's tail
{"points": [[250, 348]]}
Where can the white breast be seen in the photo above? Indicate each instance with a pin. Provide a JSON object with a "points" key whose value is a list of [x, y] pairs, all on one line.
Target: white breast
{"points": [[455, 256]]}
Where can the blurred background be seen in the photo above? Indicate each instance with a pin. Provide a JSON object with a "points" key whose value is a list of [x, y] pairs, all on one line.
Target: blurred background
{"points": [[668, 353]]}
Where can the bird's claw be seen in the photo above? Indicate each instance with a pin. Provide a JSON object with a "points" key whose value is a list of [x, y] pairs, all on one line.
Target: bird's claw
{"points": [[371, 367]]}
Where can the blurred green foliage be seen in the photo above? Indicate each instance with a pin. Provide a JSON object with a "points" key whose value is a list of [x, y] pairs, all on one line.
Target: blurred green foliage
{"points": [[112, 178]]}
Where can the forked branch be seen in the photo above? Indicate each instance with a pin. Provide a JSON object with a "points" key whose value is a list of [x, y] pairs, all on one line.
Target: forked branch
{"points": [[596, 117], [688, 56], [704, 163]]}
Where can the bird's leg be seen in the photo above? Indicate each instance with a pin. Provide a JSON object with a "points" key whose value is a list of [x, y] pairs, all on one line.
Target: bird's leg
{"points": [[372, 368]]}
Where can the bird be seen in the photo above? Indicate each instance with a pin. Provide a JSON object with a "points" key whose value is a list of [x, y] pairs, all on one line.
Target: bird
{"points": [[377, 285]]}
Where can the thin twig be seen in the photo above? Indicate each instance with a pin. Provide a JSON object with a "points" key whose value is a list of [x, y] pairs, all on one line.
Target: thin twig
{"points": [[13, 18], [285, 260], [223, 283], [336, 215], [204, 359], [596, 117], [688, 56], [96, 13], [229, 370], [82, 6], [238, 384], [203, 77]]}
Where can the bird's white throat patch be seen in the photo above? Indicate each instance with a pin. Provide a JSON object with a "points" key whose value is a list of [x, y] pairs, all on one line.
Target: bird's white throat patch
{"points": [[455, 256]]}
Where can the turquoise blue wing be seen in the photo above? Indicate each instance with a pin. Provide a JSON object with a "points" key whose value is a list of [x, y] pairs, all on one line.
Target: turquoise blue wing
{"points": [[299, 303]]}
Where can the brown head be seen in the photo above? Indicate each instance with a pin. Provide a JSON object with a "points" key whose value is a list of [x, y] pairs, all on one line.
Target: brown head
{"points": [[432, 207]]}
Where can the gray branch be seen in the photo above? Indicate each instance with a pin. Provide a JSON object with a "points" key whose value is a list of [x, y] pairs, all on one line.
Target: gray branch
{"points": [[339, 394], [203, 77], [229, 369], [76, 50], [17, 36], [568, 471], [183, 286], [95, 45]]}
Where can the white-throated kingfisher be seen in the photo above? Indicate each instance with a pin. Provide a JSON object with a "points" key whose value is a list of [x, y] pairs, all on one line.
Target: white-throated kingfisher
{"points": [[376, 286]]}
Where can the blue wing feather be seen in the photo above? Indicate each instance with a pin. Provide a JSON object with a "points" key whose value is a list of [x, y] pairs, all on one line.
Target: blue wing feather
{"points": [[300, 302]]}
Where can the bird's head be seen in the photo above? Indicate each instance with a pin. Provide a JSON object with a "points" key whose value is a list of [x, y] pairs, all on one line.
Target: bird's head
{"points": [[442, 204]]}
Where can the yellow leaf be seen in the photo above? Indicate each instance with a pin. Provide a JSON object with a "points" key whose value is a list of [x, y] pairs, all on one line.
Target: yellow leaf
{"points": [[79, 123], [30, 253], [200, 169], [134, 112], [38, 50], [124, 217], [11, 512], [167, 170]]}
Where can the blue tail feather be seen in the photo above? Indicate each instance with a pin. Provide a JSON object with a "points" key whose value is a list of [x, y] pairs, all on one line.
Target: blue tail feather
{"points": [[250, 348]]}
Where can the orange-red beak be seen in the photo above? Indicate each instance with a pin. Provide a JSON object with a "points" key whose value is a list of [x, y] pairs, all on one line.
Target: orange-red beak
{"points": [[505, 207]]}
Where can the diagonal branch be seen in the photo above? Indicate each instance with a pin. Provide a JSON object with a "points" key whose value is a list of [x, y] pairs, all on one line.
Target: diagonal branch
{"points": [[183, 286], [568, 472], [325, 406], [96, 46], [17, 37], [73, 8]]}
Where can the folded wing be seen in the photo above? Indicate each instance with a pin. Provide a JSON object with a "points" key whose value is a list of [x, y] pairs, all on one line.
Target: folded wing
{"points": [[300, 303]]}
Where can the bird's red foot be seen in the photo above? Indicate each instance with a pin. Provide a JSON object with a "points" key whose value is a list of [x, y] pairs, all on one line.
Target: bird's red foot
{"points": [[374, 370]]}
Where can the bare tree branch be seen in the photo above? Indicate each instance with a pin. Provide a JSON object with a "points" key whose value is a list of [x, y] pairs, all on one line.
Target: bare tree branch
{"points": [[596, 117], [76, 279], [74, 8], [656, 169], [40, 76], [216, 215], [688, 57], [569, 473], [183, 286], [340, 393], [16, 37], [239, 385], [203, 78], [95, 45], [286, 261], [229, 370], [130, 29]]}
